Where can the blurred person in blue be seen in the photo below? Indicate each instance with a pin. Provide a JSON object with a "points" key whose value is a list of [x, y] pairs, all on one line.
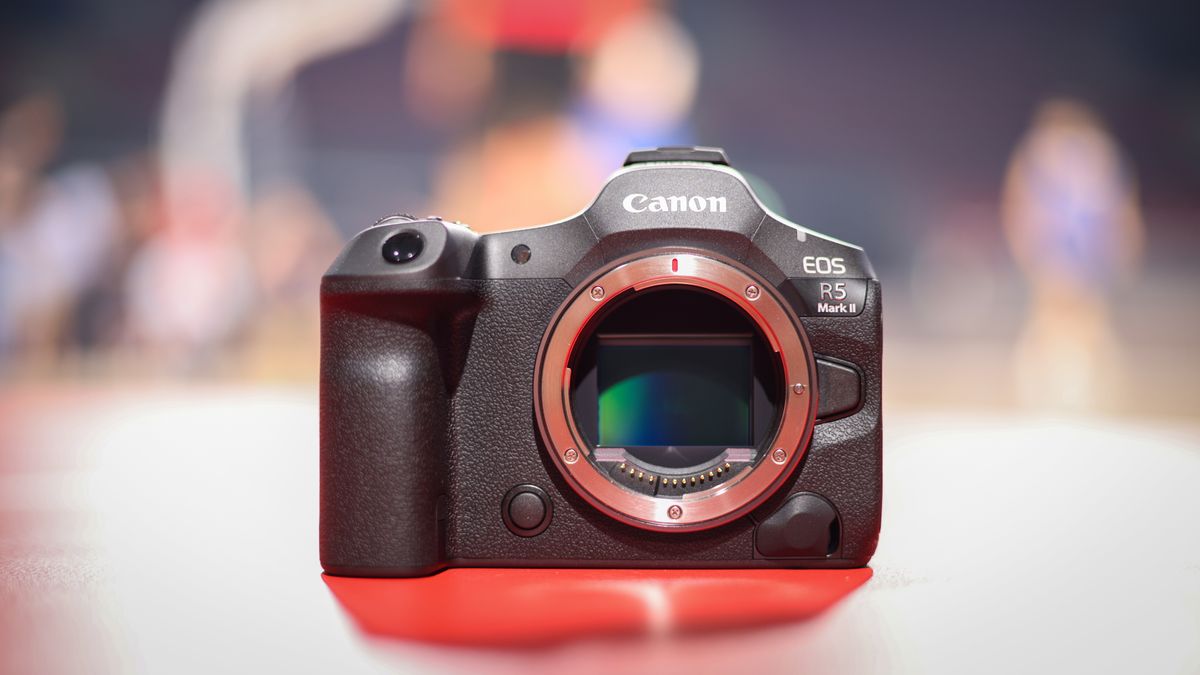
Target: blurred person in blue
{"points": [[1074, 224]]}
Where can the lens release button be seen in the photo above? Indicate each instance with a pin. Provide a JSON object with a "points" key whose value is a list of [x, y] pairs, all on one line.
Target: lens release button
{"points": [[839, 387]]}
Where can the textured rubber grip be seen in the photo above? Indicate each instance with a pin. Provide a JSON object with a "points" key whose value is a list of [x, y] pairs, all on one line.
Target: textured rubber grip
{"points": [[385, 364]]}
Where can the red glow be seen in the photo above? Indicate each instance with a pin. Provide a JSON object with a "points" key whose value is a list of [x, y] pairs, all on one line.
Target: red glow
{"points": [[527, 607], [544, 26]]}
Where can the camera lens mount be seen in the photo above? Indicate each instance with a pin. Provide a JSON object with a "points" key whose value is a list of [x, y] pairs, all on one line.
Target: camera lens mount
{"points": [[611, 473]]}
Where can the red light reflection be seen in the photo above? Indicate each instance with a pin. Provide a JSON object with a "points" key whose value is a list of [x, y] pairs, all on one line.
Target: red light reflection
{"points": [[534, 607]]}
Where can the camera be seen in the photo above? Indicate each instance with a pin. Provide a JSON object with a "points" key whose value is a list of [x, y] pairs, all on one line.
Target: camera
{"points": [[674, 377]]}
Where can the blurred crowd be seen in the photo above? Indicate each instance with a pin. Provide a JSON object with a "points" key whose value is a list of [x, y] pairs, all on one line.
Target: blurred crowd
{"points": [[197, 252], [95, 278], [183, 257]]}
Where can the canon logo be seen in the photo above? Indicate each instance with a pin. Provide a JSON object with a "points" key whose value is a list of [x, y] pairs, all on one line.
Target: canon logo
{"points": [[637, 203]]}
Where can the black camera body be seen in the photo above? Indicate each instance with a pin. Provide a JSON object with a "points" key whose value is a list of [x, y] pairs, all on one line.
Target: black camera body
{"points": [[674, 377]]}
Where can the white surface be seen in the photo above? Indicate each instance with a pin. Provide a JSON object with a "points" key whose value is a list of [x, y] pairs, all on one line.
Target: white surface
{"points": [[1009, 545]]}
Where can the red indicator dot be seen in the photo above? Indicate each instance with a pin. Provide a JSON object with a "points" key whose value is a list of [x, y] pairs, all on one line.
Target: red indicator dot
{"points": [[674, 264]]}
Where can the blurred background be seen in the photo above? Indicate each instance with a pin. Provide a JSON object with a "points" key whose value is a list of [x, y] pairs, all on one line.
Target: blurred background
{"points": [[176, 175]]}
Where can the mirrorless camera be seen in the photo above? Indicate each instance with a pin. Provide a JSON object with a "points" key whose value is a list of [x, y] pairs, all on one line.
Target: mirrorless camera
{"points": [[674, 377]]}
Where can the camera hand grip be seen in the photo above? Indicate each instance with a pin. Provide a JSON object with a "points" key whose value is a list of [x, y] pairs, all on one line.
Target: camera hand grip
{"points": [[387, 361]]}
